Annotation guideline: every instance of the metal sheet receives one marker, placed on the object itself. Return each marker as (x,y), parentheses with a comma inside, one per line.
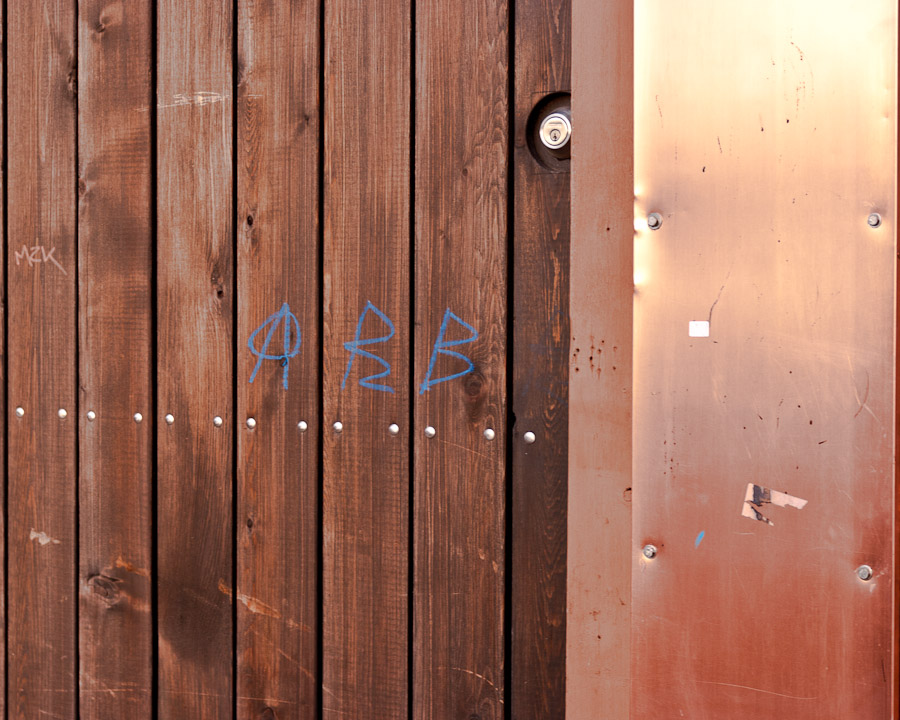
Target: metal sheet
(765,135)
(598,595)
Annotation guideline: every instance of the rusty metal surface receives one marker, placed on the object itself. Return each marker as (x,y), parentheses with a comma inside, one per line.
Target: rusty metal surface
(599,492)
(764,137)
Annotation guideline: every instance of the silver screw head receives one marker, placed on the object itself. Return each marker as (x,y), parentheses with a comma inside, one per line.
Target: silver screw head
(430,432)
(338,427)
(529,437)
(556,129)
(394,429)
(138,417)
(20,412)
(62,413)
(251,423)
(489,434)
(649,551)
(864,572)
(302,426)
(217,421)
(170,418)
(874,220)
(654,221)
(91,415)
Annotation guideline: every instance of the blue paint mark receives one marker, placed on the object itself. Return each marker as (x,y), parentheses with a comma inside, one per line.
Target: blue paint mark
(285,316)
(440,347)
(353,348)
(699,538)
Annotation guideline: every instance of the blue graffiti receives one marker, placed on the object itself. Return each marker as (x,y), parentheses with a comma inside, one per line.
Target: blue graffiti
(289,321)
(354,346)
(440,348)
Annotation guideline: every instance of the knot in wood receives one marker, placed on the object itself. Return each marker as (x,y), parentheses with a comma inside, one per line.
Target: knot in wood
(106,587)
(267,713)
(473,384)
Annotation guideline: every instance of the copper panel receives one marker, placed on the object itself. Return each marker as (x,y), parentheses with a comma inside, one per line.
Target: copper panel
(765,135)
(599,491)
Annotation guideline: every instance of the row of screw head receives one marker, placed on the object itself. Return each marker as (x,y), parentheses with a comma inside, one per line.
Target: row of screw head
(655,220)
(338,427)
(863,572)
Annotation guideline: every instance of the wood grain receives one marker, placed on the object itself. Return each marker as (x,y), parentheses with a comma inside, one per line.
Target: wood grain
(540,374)
(277,502)
(3,378)
(366,265)
(195,319)
(42,344)
(460,247)
(115,263)
(599,549)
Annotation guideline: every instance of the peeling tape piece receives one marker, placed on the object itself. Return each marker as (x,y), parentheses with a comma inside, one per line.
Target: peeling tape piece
(757,496)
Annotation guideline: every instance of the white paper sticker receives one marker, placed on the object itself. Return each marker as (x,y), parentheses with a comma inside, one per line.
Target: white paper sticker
(698,328)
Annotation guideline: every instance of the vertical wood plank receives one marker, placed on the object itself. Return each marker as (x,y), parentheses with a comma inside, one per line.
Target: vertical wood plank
(366,271)
(195,284)
(598,631)
(3,373)
(277,181)
(42,367)
(461,232)
(540,374)
(115,264)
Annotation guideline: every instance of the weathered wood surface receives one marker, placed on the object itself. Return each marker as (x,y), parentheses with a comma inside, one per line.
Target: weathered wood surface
(277,462)
(367,292)
(41,257)
(598,631)
(537,582)
(115,265)
(195,357)
(220,171)
(461,161)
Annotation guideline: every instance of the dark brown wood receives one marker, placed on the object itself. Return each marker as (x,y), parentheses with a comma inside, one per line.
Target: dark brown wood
(540,373)
(277,503)
(366,266)
(115,263)
(195,318)
(3,390)
(461,161)
(42,325)
(3,379)
(599,547)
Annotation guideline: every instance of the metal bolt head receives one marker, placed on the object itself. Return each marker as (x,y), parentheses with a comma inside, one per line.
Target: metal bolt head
(251,423)
(62,413)
(529,437)
(864,572)
(874,220)
(556,129)
(654,221)
(170,418)
(138,417)
(20,412)
(338,427)
(91,416)
(489,434)
(394,429)
(649,551)
(302,426)
(430,432)
(217,421)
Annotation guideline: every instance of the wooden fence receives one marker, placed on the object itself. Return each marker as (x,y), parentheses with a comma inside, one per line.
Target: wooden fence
(285,288)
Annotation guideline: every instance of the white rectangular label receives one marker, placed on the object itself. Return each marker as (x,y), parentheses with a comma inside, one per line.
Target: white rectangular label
(698,328)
